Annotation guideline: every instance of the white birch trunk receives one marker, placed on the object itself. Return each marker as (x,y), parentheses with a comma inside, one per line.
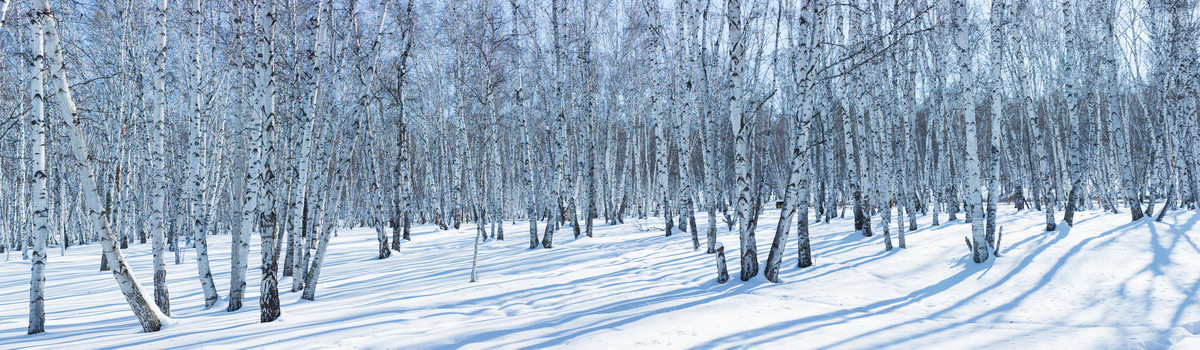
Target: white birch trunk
(741,131)
(685,19)
(974,196)
(252,131)
(993,186)
(148,314)
(198,167)
(526,129)
(1073,142)
(158,194)
(268,300)
(4,11)
(334,187)
(558,14)
(710,143)
(850,93)
(316,178)
(310,76)
(402,143)
(40,201)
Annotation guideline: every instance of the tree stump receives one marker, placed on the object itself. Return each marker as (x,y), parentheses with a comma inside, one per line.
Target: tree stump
(722,271)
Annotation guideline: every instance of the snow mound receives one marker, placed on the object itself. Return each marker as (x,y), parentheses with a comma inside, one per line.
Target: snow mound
(1186,336)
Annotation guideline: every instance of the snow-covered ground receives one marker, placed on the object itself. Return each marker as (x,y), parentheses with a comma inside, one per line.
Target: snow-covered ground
(1105,283)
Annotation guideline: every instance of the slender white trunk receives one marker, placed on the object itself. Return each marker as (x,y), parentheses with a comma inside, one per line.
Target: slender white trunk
(683,129)
(403,154)
(334,188)
(993,186)
(158,194)
(974,196)
(297,222)
(1074,141)
(558,14)
(252,131)
(849,94)
(40,201)
(526,129)
(148,314)
(741,131)
(316,178)
(198,167)
(710,143)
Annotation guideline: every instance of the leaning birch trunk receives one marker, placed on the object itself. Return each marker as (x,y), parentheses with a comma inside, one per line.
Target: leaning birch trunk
(375,192)
(334,192)
(40,203)
(741,132)
(366,78)
(974,196)
(784,225)
(158,194)
(148,315)
(318,204)
(316,178)
(298,227)
(198,167)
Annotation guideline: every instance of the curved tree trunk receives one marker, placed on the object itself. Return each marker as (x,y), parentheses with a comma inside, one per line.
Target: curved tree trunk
(96,216)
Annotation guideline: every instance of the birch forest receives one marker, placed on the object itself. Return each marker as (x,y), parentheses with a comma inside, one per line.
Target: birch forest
(141,135)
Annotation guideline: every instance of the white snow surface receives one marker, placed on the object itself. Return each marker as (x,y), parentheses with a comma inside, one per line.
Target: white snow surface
(1105,283)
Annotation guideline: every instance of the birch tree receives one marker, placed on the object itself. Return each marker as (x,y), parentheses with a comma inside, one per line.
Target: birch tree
(741,131)
(198,164)
(240,251)
(809,23)
(1075,167)
(40,201)
(157,150)
(148,315)
(974,197)
(268,300)
(526,129)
